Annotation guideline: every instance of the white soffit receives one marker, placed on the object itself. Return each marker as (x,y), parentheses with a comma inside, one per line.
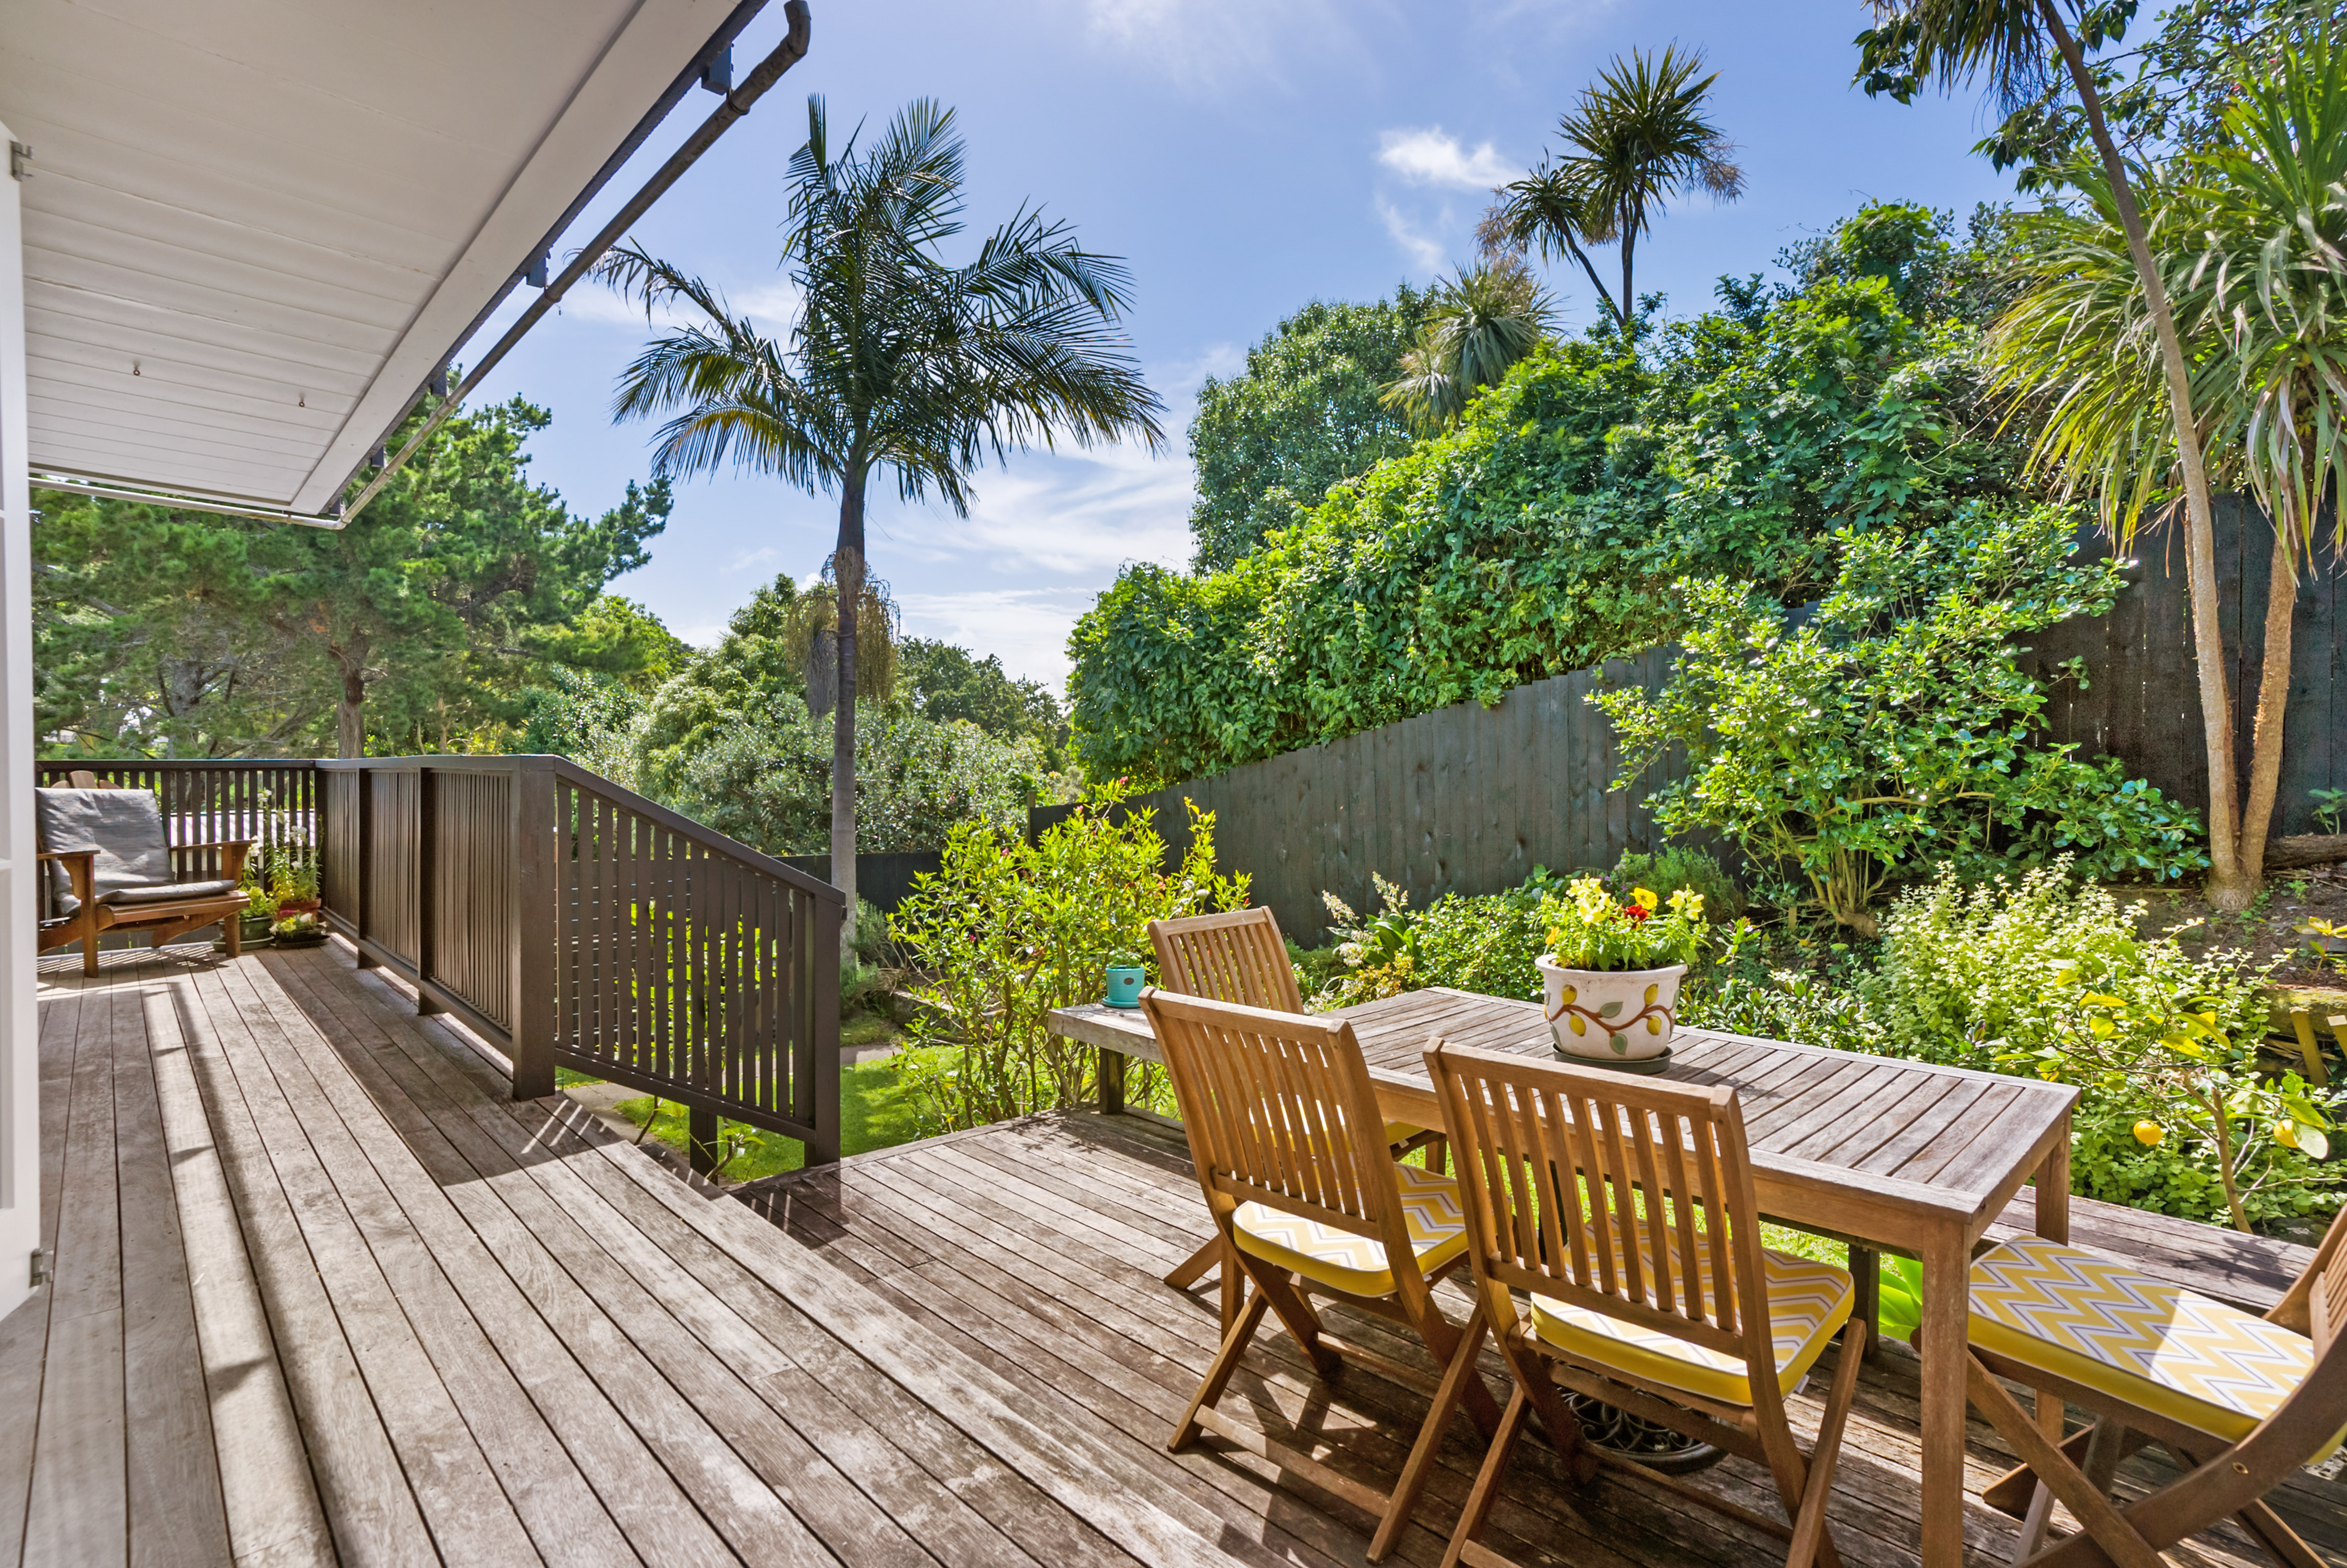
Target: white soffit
(255,229)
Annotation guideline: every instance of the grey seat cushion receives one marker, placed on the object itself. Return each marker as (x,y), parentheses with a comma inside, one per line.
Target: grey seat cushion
(122,896)
(125,827)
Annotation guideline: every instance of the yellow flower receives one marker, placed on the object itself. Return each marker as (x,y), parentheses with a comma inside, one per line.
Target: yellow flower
(1645,900)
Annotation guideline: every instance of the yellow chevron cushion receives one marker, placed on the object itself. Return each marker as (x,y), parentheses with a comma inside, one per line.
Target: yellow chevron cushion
(1355,1264)
(1401,1132)
(2095,1321)
(1807,1304)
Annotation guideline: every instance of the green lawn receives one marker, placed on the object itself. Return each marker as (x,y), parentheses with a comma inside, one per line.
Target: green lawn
(874,1113)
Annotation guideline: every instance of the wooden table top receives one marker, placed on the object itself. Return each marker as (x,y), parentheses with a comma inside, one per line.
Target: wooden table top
(1839,1141)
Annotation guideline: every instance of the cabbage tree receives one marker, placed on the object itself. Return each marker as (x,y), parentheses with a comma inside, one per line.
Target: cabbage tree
(2250,235)
(2024,47)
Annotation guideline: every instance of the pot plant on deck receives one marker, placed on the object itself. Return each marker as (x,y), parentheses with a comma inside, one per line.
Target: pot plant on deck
(1613,971)
(294,887)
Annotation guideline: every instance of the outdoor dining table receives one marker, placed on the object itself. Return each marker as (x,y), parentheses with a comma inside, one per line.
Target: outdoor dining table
(1885,1155)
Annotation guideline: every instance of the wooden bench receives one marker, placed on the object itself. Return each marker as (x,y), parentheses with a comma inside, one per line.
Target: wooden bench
(2250,1272)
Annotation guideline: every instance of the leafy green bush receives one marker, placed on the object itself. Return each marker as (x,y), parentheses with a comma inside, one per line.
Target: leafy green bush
(1545,532)
(1892,728)
(2046,977)
(1006,931)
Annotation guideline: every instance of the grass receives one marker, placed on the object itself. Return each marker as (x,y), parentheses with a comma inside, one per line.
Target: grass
(875,1113)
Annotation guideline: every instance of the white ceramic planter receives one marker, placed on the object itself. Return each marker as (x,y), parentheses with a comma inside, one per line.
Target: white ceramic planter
(1611,1015)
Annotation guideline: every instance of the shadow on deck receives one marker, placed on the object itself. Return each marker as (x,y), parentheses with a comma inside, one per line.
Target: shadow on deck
(322,1293)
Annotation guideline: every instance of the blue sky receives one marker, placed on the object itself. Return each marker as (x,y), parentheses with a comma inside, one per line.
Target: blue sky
(1245,156)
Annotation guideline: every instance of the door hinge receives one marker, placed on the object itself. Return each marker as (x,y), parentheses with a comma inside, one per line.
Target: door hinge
(20,159)
(41,1270)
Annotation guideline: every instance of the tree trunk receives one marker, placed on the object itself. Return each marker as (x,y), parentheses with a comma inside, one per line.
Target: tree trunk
(1604,295)
(2230,886)
(2273,696)
(1629,300)
(848,580)
(349,713)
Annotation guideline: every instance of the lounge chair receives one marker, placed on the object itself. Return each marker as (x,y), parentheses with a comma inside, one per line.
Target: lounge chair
(110,868)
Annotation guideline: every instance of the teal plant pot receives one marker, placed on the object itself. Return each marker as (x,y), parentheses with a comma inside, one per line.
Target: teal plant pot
(1124,983)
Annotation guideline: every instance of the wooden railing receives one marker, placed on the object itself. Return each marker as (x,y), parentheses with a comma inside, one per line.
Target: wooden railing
(566,920)
(581,926)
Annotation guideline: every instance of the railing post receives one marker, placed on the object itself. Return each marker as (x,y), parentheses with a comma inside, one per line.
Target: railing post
(359,794)
(824,1148)
(535,926)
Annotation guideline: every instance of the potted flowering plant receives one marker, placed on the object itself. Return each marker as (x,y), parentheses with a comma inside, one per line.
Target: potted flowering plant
(1612,972)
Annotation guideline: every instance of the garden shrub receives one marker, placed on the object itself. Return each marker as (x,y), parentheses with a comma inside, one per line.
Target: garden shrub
(1890,728)
(1486,943)
(2041,976)
(1546,530)
(1006,931)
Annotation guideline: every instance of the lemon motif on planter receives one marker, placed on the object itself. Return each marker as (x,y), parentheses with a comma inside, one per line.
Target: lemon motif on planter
(1653,1021)
(1578,1026)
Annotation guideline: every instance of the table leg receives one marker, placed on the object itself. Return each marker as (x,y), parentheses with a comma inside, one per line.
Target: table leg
(1110,1072)
(1946,1270)
(1866,1296)
(2053,1224)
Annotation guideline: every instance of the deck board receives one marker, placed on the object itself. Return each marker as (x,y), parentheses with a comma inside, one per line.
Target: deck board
(324,1293)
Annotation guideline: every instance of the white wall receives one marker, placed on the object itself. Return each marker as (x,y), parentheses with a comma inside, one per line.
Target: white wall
(20,1112)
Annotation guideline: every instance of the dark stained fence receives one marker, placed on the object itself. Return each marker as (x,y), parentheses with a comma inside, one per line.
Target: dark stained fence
(1467,799)
(581,926)
(2142,702)
(883,879)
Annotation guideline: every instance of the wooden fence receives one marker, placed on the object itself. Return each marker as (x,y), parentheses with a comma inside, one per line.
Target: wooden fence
(581,926)
(2142,702)
(1463,800)
(884,878)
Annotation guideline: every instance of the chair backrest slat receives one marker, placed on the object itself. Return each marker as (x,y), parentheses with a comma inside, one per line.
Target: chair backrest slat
(1237,956)
(1561,1167)
(1279,1105)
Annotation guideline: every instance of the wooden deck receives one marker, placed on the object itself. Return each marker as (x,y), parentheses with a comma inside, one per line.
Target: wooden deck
(323,1294)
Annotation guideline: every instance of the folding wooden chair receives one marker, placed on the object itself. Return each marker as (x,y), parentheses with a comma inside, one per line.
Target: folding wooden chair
(2241,1402)
(1291,1154)
(1624,1207)
(1239,957)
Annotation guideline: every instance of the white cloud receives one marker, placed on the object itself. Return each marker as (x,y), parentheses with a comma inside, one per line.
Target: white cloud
(1026,628)
(1425,252)
(771,303)
(1434,157)
(1212,45)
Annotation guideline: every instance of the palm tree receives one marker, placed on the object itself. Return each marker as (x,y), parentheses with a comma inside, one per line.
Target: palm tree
(2251,236)
(1479,323)
(897,359)
(1637,135)
(2017,43)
